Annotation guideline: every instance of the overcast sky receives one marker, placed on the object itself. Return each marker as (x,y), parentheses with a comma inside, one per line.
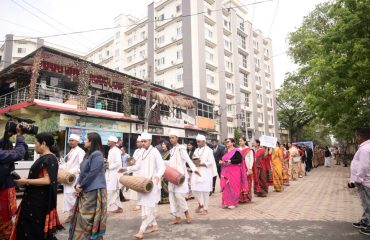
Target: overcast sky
(76,15)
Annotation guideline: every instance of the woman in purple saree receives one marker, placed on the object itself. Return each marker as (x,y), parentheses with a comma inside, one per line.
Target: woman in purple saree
(233,181)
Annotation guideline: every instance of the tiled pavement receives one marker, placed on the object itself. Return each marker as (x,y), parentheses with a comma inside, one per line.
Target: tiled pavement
(309,207)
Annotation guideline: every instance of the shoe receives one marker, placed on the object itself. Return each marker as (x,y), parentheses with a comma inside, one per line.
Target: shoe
(231,207)
(365,231)
(119,210)
(359,225)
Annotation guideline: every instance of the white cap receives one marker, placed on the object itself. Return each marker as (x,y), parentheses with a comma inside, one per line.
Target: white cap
(173,132)
(138,139)
(113,139)
(75,137)
(200,137)
(146,136)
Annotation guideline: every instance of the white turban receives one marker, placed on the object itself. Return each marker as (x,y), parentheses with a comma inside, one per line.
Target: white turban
(200,137)
(146,136)
(113,139)
(173,132)
(138,139)
(75,137)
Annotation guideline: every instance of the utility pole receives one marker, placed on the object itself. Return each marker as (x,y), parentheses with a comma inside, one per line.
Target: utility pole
(147,101)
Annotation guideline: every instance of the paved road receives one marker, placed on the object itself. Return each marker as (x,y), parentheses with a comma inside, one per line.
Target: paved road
(318,206)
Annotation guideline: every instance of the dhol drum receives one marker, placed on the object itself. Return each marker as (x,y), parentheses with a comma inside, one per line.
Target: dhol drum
(65,177)
(173,176)
(137,183)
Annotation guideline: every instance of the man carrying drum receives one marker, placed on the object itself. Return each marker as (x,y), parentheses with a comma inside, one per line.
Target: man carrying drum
(74,158)
(178,159)
(137,156)
(150,166)
(202,185)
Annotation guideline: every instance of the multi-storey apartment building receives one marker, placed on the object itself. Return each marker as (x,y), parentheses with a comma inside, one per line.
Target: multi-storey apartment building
(16,47)
(205,48)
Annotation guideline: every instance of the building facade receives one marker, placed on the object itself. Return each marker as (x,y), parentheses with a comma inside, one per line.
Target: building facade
(204,48)
(15,48)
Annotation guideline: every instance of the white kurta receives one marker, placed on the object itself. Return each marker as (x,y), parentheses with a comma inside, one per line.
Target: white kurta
(137,156)
(111,174)
(179,158)
(74,159)
(204,182)
(149,166)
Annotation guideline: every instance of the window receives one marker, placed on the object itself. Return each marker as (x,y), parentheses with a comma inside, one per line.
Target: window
(179,31)
(179,54)
(129,59)
(242,41)
(268,85)
(142,54)
(209,56)
(117,34)
(230,130)
(178,8)
(160,61)
(242,60)
(210,79)
(260,116)
(160,40)
(209,12)
(161,17)
(227,45)
(142,34)
(21,50)
(142,73)
(161,83)
(267,53)
(211,101)
(248,119)
(179,78)
(257,62)
(205,110)
(244,79)
(255,44)
(259,98)
(129,41)
(241,26)
(245,99)
(209,33)
(230,87)
(228,65)
(258,80)
(107,53)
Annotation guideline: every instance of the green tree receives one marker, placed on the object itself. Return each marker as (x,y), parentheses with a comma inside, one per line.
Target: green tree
(292,111)
(237,135)
(332,48)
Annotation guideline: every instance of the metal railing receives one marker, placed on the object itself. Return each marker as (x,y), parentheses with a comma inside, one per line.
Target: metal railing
(17,96)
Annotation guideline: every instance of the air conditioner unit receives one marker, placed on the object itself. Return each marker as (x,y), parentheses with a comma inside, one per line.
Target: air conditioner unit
(173,62)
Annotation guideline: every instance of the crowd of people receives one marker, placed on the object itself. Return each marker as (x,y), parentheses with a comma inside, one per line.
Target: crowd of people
(243,172)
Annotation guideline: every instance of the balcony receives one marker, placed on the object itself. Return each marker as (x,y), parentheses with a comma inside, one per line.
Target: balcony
(258,68)
(227,51)
(259,103)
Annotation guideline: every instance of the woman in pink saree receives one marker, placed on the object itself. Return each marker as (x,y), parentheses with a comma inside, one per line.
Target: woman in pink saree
(233,177)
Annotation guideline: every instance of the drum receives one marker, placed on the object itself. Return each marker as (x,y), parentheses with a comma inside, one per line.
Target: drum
(173,176)
(137,183)
(64,177)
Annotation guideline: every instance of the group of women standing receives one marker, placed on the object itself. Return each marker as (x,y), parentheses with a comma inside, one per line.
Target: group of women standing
(37,216)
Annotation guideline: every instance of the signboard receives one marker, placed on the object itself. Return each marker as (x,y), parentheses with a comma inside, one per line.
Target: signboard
(137,128)
(206,123)
(93,123)
(188,119)
(103,134)
(167,130)
(173,122)
(268,141)
(155,130)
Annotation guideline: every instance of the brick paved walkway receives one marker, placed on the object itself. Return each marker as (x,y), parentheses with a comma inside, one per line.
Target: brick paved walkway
(320,197)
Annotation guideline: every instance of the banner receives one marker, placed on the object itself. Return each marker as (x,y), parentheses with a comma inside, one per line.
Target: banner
(103,134)
(307,143)
(268,141)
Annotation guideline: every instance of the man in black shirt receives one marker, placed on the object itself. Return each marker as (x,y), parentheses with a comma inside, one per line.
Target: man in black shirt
(218,152)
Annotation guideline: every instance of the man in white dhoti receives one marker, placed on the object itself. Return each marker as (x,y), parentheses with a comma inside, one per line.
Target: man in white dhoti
(178,159)
(202,185)
(150,166)
(74,159)
(137,156)
(112,176)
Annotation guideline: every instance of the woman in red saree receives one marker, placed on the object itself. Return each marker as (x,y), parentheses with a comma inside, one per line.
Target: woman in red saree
(233,181)
(260,180)
(286,174)
(248,156)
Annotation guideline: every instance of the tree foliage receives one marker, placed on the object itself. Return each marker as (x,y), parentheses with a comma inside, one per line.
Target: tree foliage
(332,48)
(293,113)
